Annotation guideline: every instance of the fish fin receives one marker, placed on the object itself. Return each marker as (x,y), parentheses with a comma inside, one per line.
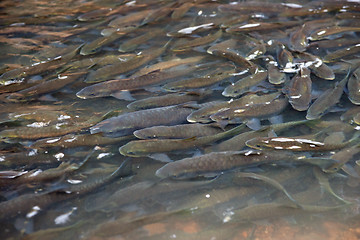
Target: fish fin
(254,124)
(162,157)
(272,133)
(48,98)
(335,138)
(350,170)
(123,95)
(197,153)
(276,119)
(191,104)
(222,124)
(25,225)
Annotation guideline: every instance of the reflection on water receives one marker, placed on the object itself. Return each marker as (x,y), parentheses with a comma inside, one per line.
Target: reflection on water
(188,119)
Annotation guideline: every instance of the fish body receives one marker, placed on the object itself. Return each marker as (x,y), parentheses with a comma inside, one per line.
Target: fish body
(182,131)
(326,100)
(204,81)
(127,123)
(353,86)
(217,162)
(317,66)
(328,31)
(197,42)
(106,72)
(168,64)
(261,111)
(140,148)
(45,87)
(168,99)
(47,131)
(298,90)
(132,44)
(340,53)
(243,85)
(71,140)
(110,87)
(94,46)
(203,115)
(293,144)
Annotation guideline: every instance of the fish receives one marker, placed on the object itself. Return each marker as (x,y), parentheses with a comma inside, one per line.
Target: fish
(343,156)
(169,99)
(275,76)
(341,53)
(317,66)
(188,45)
(94,46)
(139,148)
(261,111)
(45,87)
(38,176)
(159,13)
(324,183)
(238,142)
(199,82)
(133,43)
(111,87)
(48,131)
(298,90)
(191,30)
(174,62)
(299,41)
(236,58)
(328,31)
(127,123)
(283,56)
(180,11)
(39,67)
(182,131)
(94,15)
(353,86)
(270,181)
(295,144)
(244,84)
(104,73)
(203,114)
(218,162)
(38,201)
(259,26)
(72,140)
(130,19)
(274,210)
(326,100)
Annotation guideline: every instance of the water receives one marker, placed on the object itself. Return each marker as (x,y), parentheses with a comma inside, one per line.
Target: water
(74,189)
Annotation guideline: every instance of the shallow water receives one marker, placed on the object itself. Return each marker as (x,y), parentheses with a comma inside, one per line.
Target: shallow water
(56,187)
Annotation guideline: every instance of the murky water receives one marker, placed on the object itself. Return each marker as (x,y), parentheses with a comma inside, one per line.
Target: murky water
(257,103)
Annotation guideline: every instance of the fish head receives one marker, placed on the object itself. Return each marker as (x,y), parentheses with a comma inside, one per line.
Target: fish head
(130,149)
(257,143)
(174,171)
(93,91)
(231,91)
(198,118)
(221,115)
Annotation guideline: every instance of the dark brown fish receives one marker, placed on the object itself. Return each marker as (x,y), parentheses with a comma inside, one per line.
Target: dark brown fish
(127,123)
(298,90)
(219,161)
(261,111)
(111,87)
